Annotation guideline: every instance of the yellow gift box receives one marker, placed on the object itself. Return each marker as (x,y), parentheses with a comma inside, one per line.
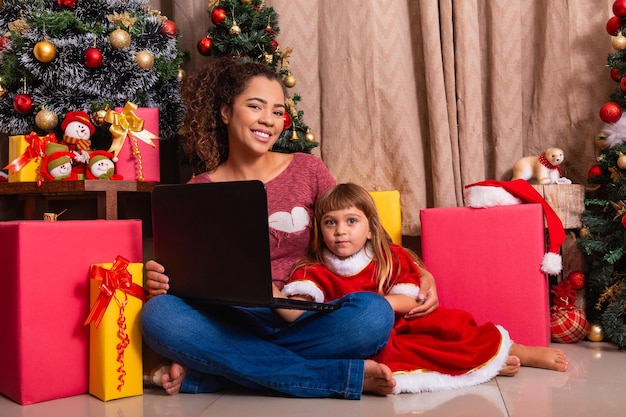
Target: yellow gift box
(115,360)
(19,151)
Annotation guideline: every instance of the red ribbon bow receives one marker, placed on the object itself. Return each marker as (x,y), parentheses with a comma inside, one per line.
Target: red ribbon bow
(36,149)
(116,278)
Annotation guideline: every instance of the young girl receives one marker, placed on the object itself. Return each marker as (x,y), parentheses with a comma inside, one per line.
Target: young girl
(445,349)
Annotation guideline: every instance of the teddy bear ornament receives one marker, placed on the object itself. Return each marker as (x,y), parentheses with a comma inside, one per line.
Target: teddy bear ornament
(542,169)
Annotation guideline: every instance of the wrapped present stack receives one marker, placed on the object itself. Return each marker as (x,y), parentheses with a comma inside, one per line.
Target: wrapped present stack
(45,303)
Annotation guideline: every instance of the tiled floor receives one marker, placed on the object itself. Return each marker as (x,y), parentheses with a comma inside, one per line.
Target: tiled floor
(594,385)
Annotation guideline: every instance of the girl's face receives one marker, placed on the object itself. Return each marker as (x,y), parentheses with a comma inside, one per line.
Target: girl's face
(256,118)
(345,231)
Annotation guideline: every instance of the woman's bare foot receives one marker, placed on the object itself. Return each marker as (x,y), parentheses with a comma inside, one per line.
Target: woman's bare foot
(511,367)
(541,357)
(377,378)
(173,380)
(169,377)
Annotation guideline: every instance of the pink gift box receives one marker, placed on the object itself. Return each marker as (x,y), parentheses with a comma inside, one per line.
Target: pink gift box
(487,261)
(45,300)
(128,165)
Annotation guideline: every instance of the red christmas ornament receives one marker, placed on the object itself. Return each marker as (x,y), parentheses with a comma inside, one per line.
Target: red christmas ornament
(169,29)
(624,222)
(204,46)
(619,8)
(274,45)
(616,74)
(23,104)
(576,280)
(610,112)
(568,323)
(613,25)
(93,58)
(67,4)
(287,120)
(622,84)
(594,171)
(218,15)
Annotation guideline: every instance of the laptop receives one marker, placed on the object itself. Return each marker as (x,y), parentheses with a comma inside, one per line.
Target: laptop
(213,240)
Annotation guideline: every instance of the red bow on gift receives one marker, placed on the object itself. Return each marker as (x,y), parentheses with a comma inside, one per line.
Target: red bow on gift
(36,149)
(116,278)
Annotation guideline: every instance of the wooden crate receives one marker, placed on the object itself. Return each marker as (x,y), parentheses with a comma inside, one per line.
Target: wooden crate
(567,200)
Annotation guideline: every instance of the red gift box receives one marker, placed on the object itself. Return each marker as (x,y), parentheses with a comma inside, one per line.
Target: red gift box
(487,261)
(45,299)
(144,165)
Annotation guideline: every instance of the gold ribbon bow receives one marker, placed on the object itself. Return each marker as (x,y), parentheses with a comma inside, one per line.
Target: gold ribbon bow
(127,123)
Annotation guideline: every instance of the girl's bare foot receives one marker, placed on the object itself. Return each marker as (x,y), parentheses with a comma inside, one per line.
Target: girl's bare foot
(511,367)
(377,378)
(541,357)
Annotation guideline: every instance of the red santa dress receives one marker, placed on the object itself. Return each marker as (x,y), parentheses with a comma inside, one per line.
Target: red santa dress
(445,350)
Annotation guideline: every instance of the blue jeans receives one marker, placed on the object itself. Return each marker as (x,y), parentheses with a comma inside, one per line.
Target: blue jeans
(319,355)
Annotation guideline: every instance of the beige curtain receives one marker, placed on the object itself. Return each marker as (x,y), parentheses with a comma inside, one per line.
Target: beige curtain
(427,96)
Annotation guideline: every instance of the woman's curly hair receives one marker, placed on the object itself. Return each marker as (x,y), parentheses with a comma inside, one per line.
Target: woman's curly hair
(204,92)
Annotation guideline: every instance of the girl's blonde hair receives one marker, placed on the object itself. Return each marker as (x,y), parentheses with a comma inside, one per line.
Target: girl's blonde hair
(343,196)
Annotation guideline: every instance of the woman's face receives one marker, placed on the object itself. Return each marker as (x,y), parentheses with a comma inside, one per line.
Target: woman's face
(256,118)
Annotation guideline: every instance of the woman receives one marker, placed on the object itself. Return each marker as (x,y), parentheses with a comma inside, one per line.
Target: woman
(235,115)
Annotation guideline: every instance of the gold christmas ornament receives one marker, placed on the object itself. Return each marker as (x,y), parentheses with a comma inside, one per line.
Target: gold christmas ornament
(99,117)
(584,232)
(619,42)
(44,51)
(621,161)
(268,58)
(3,91)
(46,120)
(144,59)
(600,141)
(595,333)
(246,1)
(119,39)
(235,29)
(294,135)
(181,75)
(309,136)
(289,81)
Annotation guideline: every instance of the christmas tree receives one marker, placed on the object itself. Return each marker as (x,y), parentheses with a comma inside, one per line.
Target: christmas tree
(603,236)
(247,30)
(59,56)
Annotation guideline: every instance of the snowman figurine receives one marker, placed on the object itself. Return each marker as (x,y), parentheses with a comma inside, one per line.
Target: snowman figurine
(102,167)
(77,133)
(57,163)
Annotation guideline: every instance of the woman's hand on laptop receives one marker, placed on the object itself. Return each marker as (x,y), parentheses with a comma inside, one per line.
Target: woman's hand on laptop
(156,281)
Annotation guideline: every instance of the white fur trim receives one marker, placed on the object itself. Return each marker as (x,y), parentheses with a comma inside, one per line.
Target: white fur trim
(615,132)
(352,265)
(304,288)
(435,381)
(410,290)
(481,196)
(552,263)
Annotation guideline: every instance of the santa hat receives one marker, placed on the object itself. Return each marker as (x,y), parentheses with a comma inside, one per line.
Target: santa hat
(78,116)
(57,154)
(501,193)
(96,156)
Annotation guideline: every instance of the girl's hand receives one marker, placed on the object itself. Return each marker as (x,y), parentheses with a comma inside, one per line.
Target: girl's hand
(156,281)
(427,296)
